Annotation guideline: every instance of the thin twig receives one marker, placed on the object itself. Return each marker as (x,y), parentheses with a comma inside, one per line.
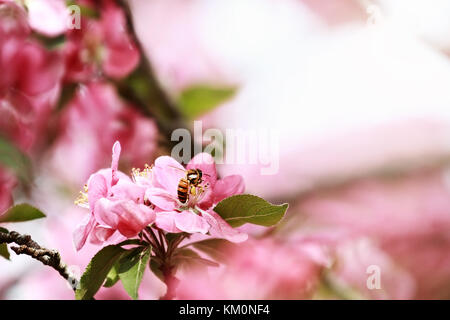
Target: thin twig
(31,248)
(158,105)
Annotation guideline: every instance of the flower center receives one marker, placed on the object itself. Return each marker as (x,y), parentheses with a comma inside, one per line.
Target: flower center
(82,199)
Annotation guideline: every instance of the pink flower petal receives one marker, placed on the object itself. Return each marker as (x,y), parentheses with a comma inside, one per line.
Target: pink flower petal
(166,221)
(13,19)
(220,229)
(161,198)
(205,162)
(227,187)
(122,55)
(82,232)
(40,70)
(127,190)
(103,212)
(115,161)
(97,189)
(190,222)
(120,59)
(101,234)
(48,17)
(132,217)
(186,221)
(168,173)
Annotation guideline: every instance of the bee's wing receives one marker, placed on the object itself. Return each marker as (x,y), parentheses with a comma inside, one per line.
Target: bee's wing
(177,168)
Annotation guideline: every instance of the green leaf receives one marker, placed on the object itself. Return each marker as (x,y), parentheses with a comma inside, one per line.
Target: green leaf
(112,277)
(3,247)
(20,213)
(4,251)
(14,159)
(97,271)
(190,256)
(214,248)
(199,99)
(240,209)
(85,11)
(50,43)
(131,270)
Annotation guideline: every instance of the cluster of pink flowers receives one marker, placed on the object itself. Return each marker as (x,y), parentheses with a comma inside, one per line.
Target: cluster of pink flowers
(264,268)
(92,121)
(103,47)
(120,206)
(33,75)
(30,80)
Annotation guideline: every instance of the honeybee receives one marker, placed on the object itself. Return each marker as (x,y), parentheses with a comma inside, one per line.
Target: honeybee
(188,185)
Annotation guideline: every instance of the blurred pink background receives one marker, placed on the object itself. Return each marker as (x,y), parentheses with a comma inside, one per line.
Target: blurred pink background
(356,92)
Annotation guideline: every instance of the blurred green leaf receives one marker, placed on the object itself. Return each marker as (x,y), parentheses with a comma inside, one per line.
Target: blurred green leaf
(97,270)
(240,209)
(86,11)
(214,248)
(20,213)
(132,268)
(190,256)
(198,100)
(50,43)
(3,230)
(14,159)
(4,251)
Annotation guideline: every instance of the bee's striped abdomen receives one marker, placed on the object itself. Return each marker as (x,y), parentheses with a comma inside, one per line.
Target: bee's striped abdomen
(182,191)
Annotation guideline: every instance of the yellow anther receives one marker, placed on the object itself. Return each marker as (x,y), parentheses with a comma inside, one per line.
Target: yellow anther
(82,199)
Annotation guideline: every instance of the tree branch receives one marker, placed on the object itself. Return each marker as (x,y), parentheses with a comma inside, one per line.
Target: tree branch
(31,248)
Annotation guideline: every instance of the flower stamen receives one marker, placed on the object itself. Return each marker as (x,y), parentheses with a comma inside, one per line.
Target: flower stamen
(82,199)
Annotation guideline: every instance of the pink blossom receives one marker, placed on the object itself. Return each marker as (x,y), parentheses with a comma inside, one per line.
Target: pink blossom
(92,121)
(195,216)
(30,81)
(403,224)
(116,206)
(27,67)
(56,229)
(257,269)
(48,17)
(101,46)
(13,19)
